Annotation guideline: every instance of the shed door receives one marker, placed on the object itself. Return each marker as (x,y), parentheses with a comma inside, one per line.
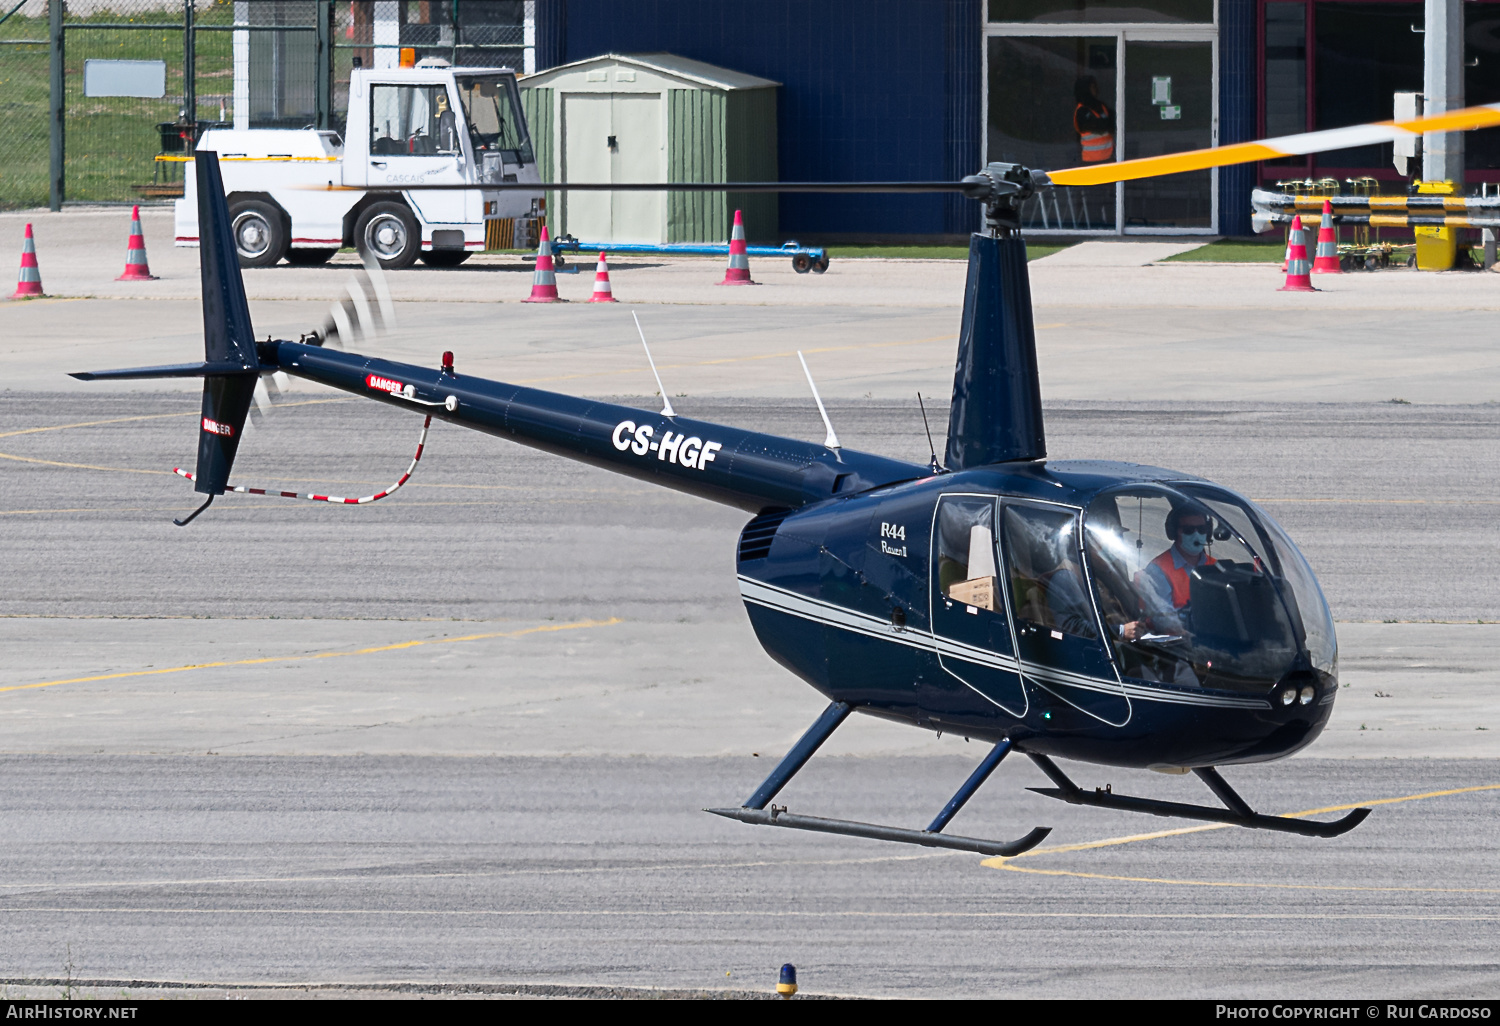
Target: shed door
(638,157)
(586,130)
(614,138)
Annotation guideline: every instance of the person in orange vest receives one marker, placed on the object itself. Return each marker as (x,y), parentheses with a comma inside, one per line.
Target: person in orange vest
(1093,121)
(1163,586)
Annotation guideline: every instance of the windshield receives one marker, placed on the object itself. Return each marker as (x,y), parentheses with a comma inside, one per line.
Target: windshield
(492,110)
(1197,587)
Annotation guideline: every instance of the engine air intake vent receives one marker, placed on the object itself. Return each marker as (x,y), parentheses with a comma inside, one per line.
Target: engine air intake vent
(755,540)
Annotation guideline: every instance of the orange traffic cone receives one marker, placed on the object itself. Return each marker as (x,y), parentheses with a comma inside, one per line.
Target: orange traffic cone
(1326,261)
(738,271)
(603,293)
(544,279)
(1297,268)
(136,268)
(30,281)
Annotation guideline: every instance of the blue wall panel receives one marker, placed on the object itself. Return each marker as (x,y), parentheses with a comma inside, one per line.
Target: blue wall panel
(877,89)
(1237,92)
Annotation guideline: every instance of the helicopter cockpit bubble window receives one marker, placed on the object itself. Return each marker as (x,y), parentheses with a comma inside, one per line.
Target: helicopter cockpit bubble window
(966,552)
(1046,582)
(1194,591)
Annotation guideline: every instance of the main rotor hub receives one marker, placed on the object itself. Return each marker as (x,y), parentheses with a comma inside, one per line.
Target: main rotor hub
(1002,188)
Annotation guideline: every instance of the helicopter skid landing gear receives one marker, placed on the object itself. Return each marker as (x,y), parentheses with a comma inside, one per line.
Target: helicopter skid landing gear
(1238,812)
(754,810)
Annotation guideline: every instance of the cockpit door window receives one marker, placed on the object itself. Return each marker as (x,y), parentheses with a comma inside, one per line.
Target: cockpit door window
(970,627)
(1057,631)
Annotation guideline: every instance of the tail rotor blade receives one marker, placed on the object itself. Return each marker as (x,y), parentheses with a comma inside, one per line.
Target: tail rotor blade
(267,396)
(341,329)
(376,277)
(362,311)
(261,408)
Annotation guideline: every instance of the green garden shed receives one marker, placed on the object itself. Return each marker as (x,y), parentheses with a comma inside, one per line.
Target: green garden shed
(653,117)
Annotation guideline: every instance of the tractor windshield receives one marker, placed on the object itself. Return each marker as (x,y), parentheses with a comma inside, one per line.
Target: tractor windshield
(1198,587)
(492,110)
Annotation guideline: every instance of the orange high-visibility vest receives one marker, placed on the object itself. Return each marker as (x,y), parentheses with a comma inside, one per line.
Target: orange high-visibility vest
(1097,146)
(1177,576)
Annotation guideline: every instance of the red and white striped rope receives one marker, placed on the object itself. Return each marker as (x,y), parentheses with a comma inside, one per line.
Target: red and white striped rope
(421,442)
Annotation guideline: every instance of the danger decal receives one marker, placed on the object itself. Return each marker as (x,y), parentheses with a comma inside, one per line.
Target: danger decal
(213,427)
(685,451)
(380,384)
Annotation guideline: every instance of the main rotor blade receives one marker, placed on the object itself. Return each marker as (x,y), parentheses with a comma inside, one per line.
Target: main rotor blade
(887,187)
(1464,120)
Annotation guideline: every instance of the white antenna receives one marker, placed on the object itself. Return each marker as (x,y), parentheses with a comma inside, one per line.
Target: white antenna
(832,441)
(666,404)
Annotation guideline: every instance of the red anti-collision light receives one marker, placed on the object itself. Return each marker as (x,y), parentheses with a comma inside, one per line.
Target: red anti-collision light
(447,363)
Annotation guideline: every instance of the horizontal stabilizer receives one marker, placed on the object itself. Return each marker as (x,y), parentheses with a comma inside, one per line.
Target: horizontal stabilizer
(170,370)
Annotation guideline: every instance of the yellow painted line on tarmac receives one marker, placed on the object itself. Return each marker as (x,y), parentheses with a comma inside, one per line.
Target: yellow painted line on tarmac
(79,466)
(546,629)
(1002,862)
(739,359)
(150,416)
(97,423)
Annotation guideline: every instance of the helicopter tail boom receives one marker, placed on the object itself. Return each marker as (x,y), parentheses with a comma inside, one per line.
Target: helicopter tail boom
(746,469)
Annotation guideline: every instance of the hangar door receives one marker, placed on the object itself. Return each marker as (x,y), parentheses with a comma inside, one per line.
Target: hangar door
(614,138)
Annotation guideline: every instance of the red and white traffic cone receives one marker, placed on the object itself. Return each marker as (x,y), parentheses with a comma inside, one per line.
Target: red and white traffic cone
(603,293)
(1297,267)
(738,271)
(544,280)
(30,282)
(1326,260)
(136,268)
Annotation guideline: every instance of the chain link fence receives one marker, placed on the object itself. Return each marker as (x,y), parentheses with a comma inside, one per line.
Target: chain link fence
(24,104)
(101,99)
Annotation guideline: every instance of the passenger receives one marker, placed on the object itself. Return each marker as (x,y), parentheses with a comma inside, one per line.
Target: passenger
(1068,604)
(1163,586)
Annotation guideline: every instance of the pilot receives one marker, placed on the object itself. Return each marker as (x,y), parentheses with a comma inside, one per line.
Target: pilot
(1163,586)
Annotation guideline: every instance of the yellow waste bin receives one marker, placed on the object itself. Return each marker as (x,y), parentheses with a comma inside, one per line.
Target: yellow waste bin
(1437,248)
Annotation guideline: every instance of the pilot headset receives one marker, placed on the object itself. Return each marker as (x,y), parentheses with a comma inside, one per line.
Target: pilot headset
(1174,519)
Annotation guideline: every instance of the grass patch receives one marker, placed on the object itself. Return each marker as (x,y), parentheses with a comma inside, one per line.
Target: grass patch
(1237,251)
(110,142)
(1033,252)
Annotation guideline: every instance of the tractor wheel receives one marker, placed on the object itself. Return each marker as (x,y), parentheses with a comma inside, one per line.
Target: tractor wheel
(260,233)
(390,231)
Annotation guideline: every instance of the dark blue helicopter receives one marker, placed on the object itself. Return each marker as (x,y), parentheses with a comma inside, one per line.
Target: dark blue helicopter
(1111,613)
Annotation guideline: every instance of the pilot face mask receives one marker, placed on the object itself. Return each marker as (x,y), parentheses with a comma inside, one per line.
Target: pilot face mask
(1194,540)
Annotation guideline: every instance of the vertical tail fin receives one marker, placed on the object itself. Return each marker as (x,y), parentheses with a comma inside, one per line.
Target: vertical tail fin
(227,334)
(997,397)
